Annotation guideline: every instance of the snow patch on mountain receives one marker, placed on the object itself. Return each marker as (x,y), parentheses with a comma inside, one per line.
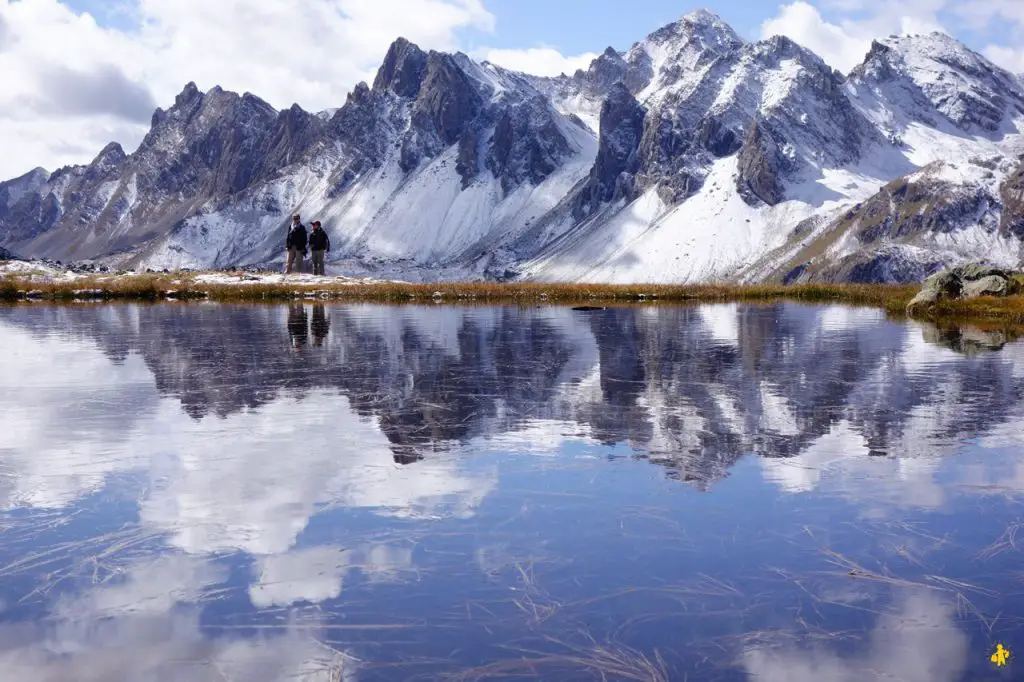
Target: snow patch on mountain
(708,237)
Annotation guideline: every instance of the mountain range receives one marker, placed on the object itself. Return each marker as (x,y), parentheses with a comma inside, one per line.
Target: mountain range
(694,156)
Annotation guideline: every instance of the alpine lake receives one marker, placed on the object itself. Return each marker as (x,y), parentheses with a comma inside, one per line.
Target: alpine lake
(258,493)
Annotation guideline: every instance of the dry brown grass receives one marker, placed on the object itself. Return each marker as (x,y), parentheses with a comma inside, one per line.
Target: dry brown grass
(154,286)
(180,286)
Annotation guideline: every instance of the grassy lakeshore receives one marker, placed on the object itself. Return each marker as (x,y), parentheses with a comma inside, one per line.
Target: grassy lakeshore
(240,287)
(227,287)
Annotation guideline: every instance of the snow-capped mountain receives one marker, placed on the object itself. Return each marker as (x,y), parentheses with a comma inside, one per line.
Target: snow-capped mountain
(692,156)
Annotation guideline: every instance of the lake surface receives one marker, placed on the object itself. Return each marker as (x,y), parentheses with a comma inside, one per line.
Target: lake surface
(262,493)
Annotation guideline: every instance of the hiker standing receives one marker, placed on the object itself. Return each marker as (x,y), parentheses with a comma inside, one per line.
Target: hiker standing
(295,245)
(319,245)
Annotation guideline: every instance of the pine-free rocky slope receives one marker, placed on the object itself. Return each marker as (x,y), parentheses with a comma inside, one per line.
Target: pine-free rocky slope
(694,156)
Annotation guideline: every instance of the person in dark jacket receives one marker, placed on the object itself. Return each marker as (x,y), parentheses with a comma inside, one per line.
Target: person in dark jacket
(295,245)
(319,245)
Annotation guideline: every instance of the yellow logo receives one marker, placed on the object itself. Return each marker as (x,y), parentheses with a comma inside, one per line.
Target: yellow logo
(1000,656)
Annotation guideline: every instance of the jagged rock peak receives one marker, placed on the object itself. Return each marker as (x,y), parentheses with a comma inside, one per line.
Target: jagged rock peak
(877,64)
(778,47)
(359,94)
(111,154)
(702,16)
(188,94)
(702,25)
(403,69)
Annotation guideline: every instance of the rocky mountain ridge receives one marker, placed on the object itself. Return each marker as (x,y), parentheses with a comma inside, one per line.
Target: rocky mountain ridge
(692,156)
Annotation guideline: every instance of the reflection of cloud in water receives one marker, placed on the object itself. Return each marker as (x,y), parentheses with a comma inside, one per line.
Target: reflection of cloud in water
(152,587)
(840,461)
(141,627)
(68,412)
(539,437)
(316,574)
(917,642)
(252,481)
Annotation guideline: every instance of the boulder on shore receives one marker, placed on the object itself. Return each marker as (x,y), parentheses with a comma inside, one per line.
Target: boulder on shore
(962,282)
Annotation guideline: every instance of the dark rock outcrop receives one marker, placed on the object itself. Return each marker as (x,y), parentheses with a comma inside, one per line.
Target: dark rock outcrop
(447,100)
(526,145)
(1011,194)
(622,126)
(759,166)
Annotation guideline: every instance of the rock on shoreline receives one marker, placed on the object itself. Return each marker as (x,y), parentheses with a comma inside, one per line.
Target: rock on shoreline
(964,282)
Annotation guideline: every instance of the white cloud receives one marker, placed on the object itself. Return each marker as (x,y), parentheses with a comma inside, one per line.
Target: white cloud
(980,14)
(539,61)
(1006,57)
(311,52)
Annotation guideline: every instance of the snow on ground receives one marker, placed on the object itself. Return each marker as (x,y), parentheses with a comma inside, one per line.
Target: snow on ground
(431,215)
(36,270)
(278,278)
(709,237)
(45,272)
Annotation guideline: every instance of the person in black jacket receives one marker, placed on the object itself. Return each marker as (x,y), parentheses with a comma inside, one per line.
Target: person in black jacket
(295,245)
(319,244)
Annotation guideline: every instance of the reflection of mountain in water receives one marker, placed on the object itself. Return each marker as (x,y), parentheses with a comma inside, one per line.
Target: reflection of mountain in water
(693,388)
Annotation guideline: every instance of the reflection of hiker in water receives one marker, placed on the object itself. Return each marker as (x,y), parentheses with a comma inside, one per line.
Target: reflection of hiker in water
(321,324)
(298,325)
